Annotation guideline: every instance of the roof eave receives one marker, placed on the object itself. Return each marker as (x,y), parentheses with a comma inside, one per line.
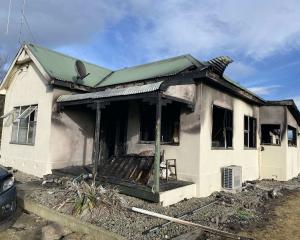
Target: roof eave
(8,73)
(220,81)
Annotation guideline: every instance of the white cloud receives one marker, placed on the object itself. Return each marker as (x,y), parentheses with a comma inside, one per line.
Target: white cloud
(57,23)
(253,29)
(264,90)
(240,70)
(256,29)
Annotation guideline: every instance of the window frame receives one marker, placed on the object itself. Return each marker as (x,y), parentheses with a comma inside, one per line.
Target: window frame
(163,109)
(226,129)
(289,127)
(248,131)
(17,120)
(271,144)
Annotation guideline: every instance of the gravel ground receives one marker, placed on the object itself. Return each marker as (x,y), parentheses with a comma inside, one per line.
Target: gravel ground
(231,212)
(29,226)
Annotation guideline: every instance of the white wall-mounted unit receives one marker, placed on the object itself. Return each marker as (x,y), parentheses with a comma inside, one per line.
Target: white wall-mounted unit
(232,178)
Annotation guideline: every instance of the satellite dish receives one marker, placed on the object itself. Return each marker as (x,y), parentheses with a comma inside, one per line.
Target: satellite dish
(80,69)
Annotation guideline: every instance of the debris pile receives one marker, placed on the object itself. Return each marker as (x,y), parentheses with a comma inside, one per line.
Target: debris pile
(81,196)
(102,205)
(91,200)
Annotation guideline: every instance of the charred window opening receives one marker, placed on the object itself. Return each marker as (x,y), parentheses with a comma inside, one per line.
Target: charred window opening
(170,121)
(250,132)
(270,134)
(292,136)
(222,130)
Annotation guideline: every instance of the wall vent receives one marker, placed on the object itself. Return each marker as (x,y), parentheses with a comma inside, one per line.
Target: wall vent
(232,177)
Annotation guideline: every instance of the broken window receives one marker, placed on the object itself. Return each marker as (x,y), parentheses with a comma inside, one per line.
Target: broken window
(249,132)
(292,136)
(222,129)
(270,134)
(170,115)
(24,125)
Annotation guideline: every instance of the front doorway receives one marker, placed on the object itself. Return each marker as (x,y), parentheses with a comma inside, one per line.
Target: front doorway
(113,138)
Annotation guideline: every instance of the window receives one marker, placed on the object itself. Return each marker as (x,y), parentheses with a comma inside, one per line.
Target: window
(270,134)
(170,116)
(292,136)
(222,127)
(24,125)
(249,132)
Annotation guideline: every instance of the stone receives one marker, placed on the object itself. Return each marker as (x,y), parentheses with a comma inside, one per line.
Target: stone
(19,226)
(223,219)
(54,231)
(274,193)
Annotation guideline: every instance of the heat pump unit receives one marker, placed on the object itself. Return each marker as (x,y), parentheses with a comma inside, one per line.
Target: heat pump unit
(232,178)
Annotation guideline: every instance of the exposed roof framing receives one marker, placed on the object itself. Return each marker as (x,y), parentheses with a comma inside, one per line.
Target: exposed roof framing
(219,64)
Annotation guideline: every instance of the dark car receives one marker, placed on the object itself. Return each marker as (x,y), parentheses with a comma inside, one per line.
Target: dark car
(8,193)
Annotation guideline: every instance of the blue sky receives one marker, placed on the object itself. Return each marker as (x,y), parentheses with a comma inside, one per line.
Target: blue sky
(263,37)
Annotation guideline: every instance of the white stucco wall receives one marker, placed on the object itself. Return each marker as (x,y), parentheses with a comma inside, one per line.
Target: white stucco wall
(293,158)
(273,158)
(72,132)
(279,162)
(202,165)
(186,153)
(62,139)
(212,160)
(28,87)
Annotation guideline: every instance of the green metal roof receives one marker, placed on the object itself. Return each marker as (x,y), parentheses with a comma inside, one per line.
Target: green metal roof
(62,67)
(162,68)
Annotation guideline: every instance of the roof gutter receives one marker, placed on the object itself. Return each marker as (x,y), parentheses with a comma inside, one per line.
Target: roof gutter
(70,85)
(216,80)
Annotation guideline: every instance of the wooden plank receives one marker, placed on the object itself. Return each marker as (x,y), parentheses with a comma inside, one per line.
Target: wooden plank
(187,223)
(96,149)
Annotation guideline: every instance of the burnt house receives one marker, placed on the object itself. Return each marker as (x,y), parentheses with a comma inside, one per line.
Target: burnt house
(162,131)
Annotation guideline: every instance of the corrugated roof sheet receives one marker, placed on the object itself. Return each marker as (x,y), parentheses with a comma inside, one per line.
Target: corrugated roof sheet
(62,67)
(165,67)
(112,92)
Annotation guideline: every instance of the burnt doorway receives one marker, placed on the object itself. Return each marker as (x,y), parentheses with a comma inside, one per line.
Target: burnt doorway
(114,129)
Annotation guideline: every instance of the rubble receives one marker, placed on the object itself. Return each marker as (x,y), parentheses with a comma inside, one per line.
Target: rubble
(227,211)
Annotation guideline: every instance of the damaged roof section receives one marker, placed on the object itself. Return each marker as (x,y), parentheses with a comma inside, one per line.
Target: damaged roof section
(62,69)
(185,68)
(114,92)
